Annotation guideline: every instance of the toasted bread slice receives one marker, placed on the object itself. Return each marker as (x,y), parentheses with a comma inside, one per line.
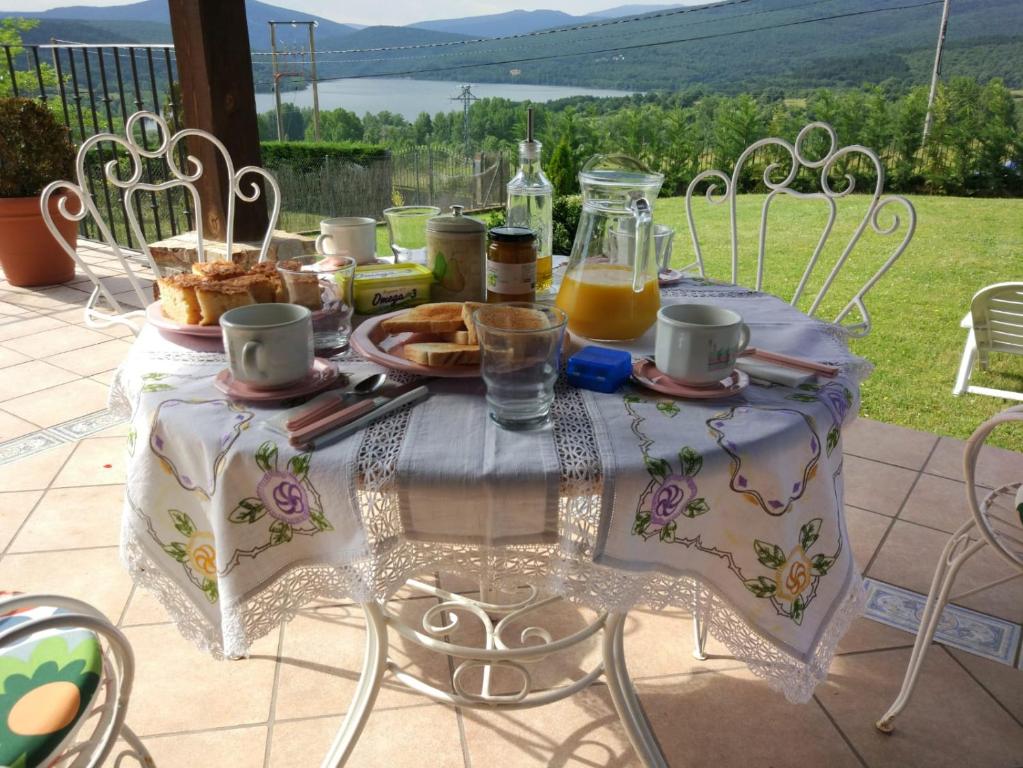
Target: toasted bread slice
(514,318)
(217,270)
(177,298)
(442,354)
(215,299)
(467,309)
(444,317)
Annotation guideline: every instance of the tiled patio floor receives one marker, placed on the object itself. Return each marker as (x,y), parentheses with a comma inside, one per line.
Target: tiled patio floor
(61,470)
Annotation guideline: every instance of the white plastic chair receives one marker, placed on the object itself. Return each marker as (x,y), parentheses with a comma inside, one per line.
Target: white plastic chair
(798,160)
(996,522)
(84,206)
(29,625)
(993,324)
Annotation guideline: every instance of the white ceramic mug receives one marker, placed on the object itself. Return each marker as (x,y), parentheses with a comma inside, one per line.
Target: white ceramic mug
(354,236)
(268,345)
(697,343)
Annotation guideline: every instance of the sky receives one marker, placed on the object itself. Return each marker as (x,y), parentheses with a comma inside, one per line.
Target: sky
(393,12)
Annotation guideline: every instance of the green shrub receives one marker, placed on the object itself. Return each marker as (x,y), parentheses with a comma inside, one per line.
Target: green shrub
(34,148)
(565,214)
(310,156)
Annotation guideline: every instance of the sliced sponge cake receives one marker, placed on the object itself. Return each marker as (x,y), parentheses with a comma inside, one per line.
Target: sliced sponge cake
(178,299)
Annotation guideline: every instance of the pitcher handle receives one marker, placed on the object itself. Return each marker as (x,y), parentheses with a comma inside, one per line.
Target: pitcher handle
(644,226)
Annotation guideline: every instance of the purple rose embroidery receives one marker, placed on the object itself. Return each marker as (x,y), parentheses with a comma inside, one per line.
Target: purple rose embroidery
(284,497)
(835,399)
(671,498)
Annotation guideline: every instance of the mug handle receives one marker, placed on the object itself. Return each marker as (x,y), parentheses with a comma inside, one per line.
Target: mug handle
(744,341)
(249,365)
(319,244)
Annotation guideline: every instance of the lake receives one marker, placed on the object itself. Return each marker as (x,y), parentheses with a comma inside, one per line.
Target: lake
(410,97)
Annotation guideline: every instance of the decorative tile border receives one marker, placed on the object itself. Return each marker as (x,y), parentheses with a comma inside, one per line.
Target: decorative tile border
(68,432)
(977,633)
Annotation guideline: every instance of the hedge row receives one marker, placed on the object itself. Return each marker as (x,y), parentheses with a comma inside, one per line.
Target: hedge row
(310,156)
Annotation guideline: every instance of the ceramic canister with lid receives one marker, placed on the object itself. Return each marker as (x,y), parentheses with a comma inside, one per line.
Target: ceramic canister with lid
(456,253)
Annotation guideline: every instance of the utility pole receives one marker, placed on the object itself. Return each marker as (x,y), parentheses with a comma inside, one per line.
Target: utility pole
(278,74)
(466,97)
(942,31)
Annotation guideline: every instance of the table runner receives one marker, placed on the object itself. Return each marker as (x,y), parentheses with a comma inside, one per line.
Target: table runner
(781,609)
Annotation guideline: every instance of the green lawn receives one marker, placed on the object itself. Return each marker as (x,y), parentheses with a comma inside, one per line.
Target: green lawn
(960,246)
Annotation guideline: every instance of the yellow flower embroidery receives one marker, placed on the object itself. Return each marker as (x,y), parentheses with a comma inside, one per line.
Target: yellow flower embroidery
(792,578)
(202,554)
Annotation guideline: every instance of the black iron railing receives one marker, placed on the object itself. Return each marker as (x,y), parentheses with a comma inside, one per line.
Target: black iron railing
(93,89)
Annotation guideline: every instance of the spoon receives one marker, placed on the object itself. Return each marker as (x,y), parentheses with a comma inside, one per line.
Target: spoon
(329,401)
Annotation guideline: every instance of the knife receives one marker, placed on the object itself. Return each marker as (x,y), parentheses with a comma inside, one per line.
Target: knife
(381,406)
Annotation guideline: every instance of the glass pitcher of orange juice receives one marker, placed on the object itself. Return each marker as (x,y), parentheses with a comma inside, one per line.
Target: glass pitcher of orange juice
(610,290)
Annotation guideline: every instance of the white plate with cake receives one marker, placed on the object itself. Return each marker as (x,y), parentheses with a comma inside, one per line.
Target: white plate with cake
(192,303)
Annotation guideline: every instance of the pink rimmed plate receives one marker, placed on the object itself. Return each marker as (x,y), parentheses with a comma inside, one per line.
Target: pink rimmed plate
(646,374)
(322,375)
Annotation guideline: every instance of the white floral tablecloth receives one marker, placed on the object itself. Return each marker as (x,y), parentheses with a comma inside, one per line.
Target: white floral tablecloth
(733,507)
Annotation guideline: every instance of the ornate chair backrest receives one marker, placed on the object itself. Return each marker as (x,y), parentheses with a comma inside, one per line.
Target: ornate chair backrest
(999,516)
(798,159)
(167,149)
(997,313)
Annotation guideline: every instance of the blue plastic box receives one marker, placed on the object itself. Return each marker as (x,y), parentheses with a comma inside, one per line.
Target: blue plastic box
(599,368)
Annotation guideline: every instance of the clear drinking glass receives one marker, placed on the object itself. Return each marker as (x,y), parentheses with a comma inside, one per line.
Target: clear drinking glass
(406,226)
(324,285)
(521,353)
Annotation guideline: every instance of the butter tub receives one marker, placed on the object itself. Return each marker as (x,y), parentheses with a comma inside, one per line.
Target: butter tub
(381,288)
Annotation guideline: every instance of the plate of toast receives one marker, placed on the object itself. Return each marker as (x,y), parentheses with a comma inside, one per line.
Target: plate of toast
(192,303)
(430,340)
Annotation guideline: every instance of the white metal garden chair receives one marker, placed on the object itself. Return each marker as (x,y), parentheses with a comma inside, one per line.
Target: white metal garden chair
(798,160)
(996,522)
(77,203)
(993,324)
(65,679)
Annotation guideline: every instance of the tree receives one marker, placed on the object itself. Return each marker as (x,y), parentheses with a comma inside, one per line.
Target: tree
(10,35)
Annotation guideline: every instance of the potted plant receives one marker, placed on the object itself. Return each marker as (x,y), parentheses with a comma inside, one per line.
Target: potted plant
(35,149)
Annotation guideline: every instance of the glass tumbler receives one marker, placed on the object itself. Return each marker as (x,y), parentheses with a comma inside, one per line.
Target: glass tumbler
(324,285)
(406,226)
(521,351)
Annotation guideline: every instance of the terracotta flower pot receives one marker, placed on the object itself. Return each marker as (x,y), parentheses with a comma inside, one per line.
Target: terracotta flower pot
(29,254)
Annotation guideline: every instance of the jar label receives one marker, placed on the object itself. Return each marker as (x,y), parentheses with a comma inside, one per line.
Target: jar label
(511,279)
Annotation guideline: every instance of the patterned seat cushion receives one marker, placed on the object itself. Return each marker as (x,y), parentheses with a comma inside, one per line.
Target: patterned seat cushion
(47,684)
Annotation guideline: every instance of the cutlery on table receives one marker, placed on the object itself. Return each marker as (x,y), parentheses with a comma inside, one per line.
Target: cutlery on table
(329,402)
(382,406)
(791,361)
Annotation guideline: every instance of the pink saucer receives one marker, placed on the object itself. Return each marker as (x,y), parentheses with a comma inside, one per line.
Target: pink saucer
(322,376)
(645,373)
(670,277)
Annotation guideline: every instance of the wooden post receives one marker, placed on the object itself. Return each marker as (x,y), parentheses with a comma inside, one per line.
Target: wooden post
(215,69)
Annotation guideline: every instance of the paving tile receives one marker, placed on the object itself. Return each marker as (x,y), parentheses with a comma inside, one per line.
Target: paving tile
(93,575)
(96,461)
(937,502)
(144,608)
(33,376)
(950,721)
(1002,682)
(869,635)
(321,660)
(26,325)
(995,466)
(12,427)
(14,509)
(415,737)
(865,529)
(235,747)
(9,357)
(60,403)
(92,360)
(580,731)
(118,430)
(660,643)
(874,486)
(910,554)
(73,518)
(34,472)
(889,443)
(56,298)
(106,378)
(8,310)
(54,341)
(178,687)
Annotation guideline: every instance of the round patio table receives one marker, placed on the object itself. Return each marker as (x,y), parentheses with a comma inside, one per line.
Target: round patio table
(731,509)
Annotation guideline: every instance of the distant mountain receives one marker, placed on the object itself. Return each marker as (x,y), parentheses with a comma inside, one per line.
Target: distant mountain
(100,31)
(633,10)
(157,11)
(499,24)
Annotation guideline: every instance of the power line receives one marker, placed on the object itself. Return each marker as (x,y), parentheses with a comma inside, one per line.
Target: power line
(615,49)
(537,33)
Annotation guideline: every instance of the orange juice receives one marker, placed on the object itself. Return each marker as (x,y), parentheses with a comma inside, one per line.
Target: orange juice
(601,304)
